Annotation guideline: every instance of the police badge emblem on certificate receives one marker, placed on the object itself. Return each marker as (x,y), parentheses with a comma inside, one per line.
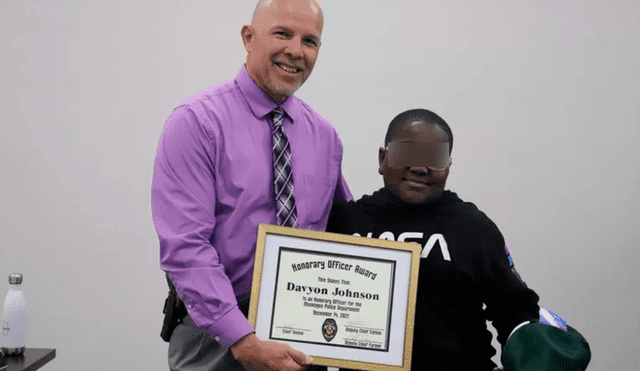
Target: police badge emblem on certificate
(329,329)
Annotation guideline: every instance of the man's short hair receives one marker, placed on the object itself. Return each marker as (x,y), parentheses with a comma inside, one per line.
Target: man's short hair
(413,115)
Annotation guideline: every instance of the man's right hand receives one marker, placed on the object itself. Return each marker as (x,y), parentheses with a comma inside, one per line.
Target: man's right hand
(257,355)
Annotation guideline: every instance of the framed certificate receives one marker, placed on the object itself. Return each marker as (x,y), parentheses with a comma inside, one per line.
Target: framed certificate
(347,301)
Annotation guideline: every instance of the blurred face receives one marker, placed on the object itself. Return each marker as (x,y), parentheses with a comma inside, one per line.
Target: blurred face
(282,45)
(415,184)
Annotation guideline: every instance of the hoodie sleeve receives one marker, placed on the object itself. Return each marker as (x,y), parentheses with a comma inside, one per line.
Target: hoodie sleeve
(336,221)
(509,302)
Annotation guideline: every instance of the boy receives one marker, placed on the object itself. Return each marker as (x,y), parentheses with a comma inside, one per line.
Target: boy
(465,263)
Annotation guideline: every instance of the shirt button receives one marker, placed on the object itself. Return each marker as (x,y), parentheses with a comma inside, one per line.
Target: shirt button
(217,338)
(189,306)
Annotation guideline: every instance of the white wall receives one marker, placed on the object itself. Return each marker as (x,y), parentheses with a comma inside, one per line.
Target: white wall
(542,97)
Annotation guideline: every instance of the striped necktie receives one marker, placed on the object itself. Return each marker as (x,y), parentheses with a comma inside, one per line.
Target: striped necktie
(282,176)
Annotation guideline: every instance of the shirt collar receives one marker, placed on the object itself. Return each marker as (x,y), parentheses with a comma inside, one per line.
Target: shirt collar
(259,102)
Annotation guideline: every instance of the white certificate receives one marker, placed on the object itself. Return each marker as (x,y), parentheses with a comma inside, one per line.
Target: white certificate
(347,301)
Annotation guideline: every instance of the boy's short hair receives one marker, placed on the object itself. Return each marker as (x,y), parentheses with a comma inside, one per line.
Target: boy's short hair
(417,114)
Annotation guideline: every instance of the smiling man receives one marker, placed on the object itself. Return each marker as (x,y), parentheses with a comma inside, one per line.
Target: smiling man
(231,157)
(282,44)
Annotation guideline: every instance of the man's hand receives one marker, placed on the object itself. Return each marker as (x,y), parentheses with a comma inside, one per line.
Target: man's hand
(257,355)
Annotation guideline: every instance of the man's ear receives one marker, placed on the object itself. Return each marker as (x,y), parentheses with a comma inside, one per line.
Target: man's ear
(247,36)
(382,155)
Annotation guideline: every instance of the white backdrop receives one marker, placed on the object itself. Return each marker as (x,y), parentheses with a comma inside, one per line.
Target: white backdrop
(542,97)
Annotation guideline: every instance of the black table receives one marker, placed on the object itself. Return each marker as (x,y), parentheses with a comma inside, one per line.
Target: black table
(31,360)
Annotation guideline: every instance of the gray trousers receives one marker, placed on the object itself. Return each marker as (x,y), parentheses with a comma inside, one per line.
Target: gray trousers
(191,348)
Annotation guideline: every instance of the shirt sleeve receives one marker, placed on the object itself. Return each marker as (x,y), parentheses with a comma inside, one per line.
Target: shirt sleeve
(183,202)
(342,193)
(508,299)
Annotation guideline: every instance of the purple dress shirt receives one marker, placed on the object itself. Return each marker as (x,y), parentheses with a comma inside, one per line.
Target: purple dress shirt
(213,185)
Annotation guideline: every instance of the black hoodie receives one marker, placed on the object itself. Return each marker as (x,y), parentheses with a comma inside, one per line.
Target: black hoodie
(465,264)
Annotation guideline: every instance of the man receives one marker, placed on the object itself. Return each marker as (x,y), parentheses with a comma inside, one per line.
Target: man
(214,181)
(465,263)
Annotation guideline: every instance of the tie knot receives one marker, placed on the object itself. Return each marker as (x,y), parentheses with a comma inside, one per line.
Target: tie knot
(276,115)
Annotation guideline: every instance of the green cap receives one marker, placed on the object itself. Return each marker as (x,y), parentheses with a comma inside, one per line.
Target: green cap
(540,347)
